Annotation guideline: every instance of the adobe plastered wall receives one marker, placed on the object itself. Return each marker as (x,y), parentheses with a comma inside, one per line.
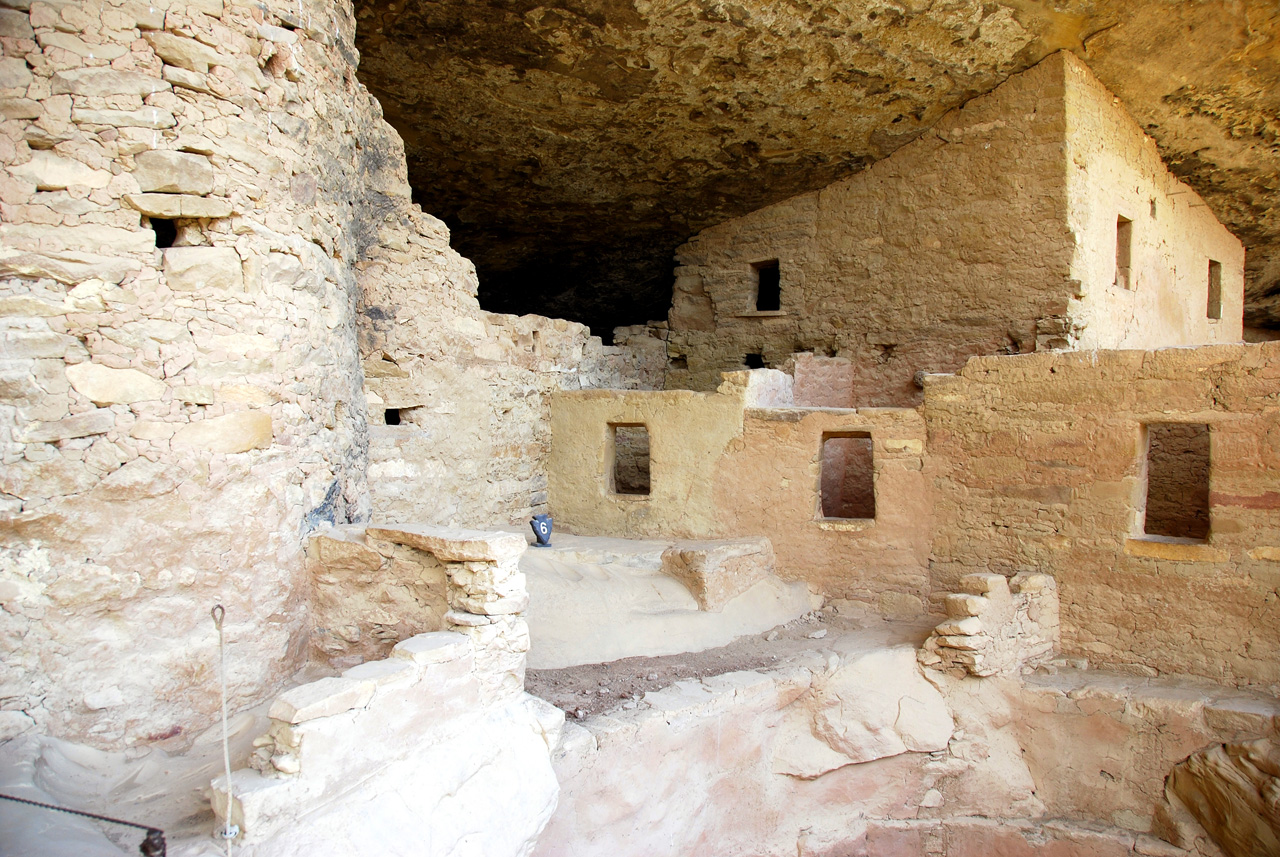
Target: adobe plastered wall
(1039,463)
(742,462)
(1114,170)
(955,245)
(174,422)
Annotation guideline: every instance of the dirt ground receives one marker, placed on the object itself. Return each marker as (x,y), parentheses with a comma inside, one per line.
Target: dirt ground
(590,689)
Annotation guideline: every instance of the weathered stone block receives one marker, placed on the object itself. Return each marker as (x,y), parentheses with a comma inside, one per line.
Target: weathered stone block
(1176,550)
(183,52)
(20,108)
(66,266)
(173,172)
(189,269)
(322,698)
(15,24)
(380,672)
(230,433)
(434,648)
(144,117)
(193,80)
(718,571)
(967,626)
(81,425)
(105,82)
(55,172)
(173,205)
(965,604)
(14,73)
(89,237)
(106,386)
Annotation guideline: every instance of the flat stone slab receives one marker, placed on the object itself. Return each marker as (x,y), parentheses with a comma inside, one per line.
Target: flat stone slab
(449,544)
(436,647)
(322,698)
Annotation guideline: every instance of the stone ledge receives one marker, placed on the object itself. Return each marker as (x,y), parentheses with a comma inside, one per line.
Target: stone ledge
(449,544)
(1176,550)
(847,525)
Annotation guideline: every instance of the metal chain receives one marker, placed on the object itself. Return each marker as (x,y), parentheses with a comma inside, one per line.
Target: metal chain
(152,846)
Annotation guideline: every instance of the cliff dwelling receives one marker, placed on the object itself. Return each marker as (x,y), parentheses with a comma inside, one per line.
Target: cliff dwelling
(639,428)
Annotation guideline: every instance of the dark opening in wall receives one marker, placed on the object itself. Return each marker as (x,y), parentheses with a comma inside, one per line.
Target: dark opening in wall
(768,277)
(1215,289)
(754,361)
(392,416)
(1177,502)
(166,232)
(1124,252)
(630,458)
(848,476)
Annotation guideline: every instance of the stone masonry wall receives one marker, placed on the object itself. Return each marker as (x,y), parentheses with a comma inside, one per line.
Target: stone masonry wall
(175,420)
(941,251)
(471,388)
(994,233)
(1040,463)
(741,463)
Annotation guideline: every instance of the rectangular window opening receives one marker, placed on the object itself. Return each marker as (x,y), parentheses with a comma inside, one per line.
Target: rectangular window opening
(1177,501)
(848,476)
(392,416)
(1215,290)
(1124,252)
(768,281)
(630,458)
(754,361)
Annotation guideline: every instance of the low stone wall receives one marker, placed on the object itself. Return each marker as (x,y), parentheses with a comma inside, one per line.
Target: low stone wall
(402,752)
(743,462)
(443,724)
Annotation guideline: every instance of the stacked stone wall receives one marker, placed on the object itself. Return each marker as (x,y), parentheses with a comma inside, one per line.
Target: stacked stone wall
(1040,465)
(205,231)
(175,419)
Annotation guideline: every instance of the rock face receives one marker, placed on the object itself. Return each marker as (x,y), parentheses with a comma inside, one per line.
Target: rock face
(1232,790)
(572,148)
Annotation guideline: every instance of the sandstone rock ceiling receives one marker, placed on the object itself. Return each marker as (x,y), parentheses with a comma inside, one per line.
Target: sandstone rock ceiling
(572,145)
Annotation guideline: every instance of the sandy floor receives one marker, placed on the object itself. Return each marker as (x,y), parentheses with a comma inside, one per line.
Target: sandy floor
(590,689)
